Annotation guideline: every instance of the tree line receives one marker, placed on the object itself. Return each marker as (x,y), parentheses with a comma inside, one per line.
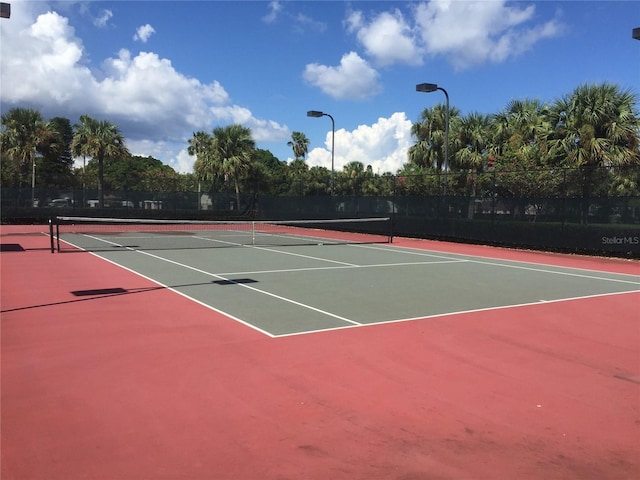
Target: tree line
(529,146)
(524,149)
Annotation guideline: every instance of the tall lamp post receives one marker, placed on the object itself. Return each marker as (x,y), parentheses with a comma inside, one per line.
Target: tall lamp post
(432,87)
(316,114)
(33,179)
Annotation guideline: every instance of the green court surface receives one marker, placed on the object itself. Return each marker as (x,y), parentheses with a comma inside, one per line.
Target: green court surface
(288,290)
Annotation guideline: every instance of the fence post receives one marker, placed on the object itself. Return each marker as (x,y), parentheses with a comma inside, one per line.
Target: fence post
(493,198)
(563,192)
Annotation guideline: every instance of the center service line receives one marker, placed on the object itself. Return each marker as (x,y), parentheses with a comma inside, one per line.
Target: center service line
(244,285)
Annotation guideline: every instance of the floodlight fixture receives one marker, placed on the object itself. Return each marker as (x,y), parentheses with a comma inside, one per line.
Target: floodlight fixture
(426,87)
(635,33)
(5,10)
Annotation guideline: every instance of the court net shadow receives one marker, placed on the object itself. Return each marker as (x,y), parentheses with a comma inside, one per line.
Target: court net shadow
(11,247)
(101,293)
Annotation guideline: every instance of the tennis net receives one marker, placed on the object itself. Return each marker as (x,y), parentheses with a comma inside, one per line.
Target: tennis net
(109,234)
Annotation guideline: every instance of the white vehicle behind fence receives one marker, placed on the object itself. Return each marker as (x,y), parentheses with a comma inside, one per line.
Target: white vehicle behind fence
(60,202)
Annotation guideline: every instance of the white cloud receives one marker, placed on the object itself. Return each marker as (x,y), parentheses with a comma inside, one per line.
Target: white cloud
(148,90)
(303,23)
(388,38)
(179,160)
(102,20)
(182,162)
(466,33)
(144,32)
(158,108)
(383,145)
(268,130)
(353,79)
(261,130)
(299,21)
(42,62)
(274,10)
(473,33)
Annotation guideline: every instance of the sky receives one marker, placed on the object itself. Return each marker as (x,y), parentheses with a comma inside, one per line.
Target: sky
(162,70)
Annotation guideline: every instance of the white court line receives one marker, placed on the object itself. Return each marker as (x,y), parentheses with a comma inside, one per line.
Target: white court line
(461,312)
(343,267)
(410,251)
(306,256)
(273,250)
(210,307)
(569,274)
(322,259)
(220,277)
(447,259)
(512,264)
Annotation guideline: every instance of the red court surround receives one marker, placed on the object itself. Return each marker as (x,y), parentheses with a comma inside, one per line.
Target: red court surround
(149,385)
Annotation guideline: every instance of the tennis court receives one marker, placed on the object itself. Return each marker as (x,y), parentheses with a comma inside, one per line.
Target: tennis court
(287,280)
(137,353)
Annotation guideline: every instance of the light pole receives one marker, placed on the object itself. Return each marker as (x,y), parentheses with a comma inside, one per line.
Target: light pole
(432,87)
(36,156)
(33,180)
(316,114)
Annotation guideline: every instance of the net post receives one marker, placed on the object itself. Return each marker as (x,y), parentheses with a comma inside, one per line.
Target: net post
(51,235)
(253,233)
(58,233)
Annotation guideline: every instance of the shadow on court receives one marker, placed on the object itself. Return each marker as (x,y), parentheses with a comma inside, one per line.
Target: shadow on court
(102,293)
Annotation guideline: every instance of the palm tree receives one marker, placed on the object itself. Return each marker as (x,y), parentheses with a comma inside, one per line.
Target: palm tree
(57,161)
(595,126)
(200,145)
(232,149)
(298,172)
(412,179)
(474,137)
(24,133)
(520,136)
(317,181)
(521,125)
(520,152)
(98,139)
(300,144)
(430,133)
(353,174)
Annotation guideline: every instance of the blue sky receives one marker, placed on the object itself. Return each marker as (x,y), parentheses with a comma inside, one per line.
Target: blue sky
(162,70)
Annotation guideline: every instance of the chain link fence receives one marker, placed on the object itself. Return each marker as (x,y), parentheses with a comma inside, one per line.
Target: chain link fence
(569,210)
